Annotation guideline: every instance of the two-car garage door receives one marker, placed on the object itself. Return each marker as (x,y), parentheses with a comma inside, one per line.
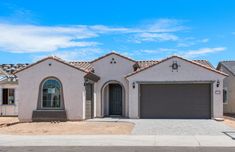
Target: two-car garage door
(175,101)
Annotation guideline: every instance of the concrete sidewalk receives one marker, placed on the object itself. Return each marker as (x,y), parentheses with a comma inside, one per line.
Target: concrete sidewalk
(117,140)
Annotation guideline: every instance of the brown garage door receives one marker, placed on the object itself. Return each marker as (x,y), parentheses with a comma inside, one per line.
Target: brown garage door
(175,101)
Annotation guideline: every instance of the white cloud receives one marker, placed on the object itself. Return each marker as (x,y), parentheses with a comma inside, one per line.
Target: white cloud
(83,54)
(160,50)
(205,40)
(160,30)
(187,42)
(165,26)
(202,51)
(155,37)
(106,29)
(29,38)
(36,38)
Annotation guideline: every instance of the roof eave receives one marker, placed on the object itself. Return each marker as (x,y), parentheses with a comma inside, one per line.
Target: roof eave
(221,64)
(47,58)
(92,76)
(194,62)
(111,53)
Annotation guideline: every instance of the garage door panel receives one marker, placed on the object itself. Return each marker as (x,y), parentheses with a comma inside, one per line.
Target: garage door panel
(175,101)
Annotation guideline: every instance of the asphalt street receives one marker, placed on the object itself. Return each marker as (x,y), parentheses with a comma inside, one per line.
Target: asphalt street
(116,149)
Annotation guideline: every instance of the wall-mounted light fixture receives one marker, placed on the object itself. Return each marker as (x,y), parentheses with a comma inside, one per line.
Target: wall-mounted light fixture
(49,64)
(217,83)
(86,82)
(133,85)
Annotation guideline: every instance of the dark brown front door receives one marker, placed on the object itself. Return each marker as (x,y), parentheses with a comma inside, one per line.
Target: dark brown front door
(175,101)
(115,99)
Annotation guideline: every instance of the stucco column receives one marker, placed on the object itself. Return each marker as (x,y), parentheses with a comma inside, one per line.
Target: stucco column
(133,101)
(218,99)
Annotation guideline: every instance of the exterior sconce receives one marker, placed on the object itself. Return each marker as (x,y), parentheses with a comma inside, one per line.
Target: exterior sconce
(85,82)
(133,85)
(217,83)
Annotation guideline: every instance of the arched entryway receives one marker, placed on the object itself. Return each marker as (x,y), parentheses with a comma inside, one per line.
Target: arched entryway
(113,99)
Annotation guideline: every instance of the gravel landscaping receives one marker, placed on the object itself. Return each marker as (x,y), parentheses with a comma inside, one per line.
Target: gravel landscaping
(5,121)
(230,121)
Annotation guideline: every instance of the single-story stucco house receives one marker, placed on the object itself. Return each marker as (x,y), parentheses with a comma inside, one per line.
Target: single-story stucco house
(228,67)
(8,89)
(115,85)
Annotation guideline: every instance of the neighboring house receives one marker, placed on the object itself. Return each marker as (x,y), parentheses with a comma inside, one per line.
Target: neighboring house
(8,89)
(229,85)
(115,85)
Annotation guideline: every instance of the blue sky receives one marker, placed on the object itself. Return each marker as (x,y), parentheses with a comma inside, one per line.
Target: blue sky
(148,29)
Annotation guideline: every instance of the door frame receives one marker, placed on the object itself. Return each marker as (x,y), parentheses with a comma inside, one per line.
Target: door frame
(105,105)
(139,83)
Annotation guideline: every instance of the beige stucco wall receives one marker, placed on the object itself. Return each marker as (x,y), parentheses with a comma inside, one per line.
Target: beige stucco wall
(229,85)
(187,73)
(9,110)
(73,88)
(111,72)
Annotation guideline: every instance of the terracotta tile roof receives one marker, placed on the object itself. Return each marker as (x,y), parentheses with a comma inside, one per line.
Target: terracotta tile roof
(111,54)
(63,62)
(203,63)
(83,65)
(49,57)
(146,63)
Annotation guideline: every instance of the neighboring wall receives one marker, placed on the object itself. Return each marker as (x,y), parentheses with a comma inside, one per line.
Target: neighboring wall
(73,88)
(229,85)
(187,73)
(9,110)
(107,73)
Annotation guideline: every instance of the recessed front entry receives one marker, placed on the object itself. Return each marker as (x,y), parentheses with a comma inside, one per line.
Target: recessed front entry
(115,99)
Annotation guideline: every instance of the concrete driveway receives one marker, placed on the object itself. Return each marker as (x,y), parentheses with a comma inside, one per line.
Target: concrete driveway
(179,127)
(174,127)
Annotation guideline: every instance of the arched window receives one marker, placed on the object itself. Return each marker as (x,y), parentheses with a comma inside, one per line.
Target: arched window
(51,92)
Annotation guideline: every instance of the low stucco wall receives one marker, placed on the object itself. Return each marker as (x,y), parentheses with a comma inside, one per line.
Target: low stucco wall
(187,73)
(73,88)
